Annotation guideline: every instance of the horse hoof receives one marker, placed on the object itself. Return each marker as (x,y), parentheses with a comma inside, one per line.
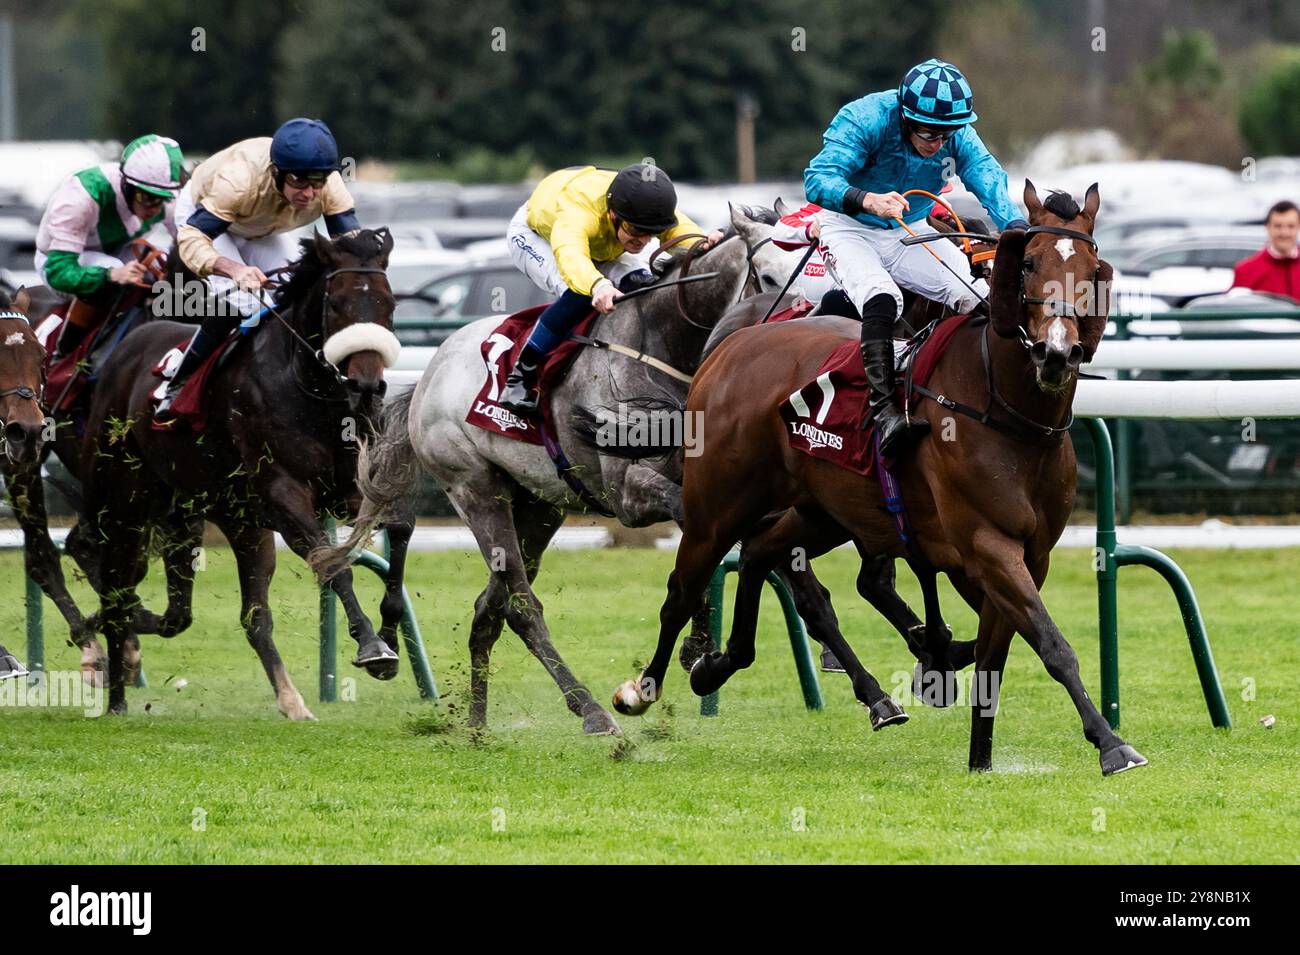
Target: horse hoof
(117,709)
(303,715)
(629,700)
(599,723)
(704,680)
(377,660)
(1121,759)
(830,662)
(886,712)
(937,688)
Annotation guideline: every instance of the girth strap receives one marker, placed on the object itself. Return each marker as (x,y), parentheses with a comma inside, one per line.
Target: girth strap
(632,353)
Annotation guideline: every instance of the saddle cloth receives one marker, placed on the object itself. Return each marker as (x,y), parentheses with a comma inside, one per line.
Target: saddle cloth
(69,378)
(500,351)
(191,405)
(824,417)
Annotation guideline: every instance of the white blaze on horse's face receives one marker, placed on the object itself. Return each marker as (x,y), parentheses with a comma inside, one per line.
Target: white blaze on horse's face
(1056,335)
(1066,248)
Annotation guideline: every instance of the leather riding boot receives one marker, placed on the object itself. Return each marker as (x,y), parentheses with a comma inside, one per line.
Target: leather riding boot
(520,394)
(201,346)
(82,319)
(878,361)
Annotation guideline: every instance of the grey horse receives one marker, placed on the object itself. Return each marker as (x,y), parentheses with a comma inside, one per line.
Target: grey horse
(509,493)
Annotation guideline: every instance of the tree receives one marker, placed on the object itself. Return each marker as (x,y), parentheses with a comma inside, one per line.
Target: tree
(1269,115)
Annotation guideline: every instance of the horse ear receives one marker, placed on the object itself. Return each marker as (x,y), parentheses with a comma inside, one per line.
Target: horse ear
(781,208)
(324,248)
(1006,310)
(22,301)
(1092,202)
(741,221)
(1092,328)
(1032,202)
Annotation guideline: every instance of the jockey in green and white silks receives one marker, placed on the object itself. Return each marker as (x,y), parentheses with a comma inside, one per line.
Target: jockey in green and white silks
(877,146)
(94,216)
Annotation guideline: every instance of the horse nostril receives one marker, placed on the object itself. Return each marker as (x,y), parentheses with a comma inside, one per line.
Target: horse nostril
(1039,352)
(382,389)
(1076,355)
(15,433)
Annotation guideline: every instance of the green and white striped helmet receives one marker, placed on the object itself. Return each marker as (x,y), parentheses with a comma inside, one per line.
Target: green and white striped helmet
(152,164)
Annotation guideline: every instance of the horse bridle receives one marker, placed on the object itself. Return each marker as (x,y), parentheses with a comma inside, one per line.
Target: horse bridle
(319,353)
(1060,308)
(22,391)
(1025,428)
(1066,309)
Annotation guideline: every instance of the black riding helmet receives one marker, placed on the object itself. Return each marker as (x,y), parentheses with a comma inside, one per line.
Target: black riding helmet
(643,196)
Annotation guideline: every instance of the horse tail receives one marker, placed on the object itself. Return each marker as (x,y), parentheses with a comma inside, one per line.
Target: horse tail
(643,427)
(387,472)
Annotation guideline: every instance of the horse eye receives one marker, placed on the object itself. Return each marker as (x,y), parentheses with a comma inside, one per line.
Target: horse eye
(1028,264)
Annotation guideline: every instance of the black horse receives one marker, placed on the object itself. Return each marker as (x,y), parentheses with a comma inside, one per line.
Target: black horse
(286,411)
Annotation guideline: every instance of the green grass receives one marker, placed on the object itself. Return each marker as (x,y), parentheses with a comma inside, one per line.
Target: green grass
(385,778)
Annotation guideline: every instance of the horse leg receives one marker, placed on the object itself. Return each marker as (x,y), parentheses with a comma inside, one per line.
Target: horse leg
(765,553)
(124,566)
(392,606)
(697,559)
(303,533)
(40,556)
(182,541)
(536,522)
(254,551)
(992,643)
(999,565)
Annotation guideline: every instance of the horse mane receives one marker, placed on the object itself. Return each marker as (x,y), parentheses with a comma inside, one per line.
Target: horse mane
(5,300)
(303,274)
(1062,205)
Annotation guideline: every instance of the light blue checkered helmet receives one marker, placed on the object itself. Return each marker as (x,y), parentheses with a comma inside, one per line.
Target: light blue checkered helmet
(936,94)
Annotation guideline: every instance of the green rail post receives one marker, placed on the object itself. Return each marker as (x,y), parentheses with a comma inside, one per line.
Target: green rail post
(329,635)
(35,628)
(410,630)
(717,593)
(1108,557)
(808,684)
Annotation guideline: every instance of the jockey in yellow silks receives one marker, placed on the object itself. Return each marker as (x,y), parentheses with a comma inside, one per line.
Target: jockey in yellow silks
(578,237)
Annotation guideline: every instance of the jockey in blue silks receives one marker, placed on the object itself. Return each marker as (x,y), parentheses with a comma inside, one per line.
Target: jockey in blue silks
(909,138)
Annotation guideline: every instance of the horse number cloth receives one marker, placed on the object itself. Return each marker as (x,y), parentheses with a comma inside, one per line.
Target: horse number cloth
(824,417)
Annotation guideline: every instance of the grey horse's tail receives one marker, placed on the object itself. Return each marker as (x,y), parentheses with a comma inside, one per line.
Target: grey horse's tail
(386,473)
(642,427)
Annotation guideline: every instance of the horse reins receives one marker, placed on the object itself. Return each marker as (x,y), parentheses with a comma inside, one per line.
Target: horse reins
(21,391)
(1026,428)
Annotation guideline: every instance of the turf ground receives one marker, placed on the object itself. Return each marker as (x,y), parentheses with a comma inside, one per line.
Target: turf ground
(212,773)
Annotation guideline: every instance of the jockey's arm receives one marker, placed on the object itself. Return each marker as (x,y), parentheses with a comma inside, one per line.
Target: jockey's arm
(985,178)
(846,147)
(571,245)
(65,273)
(338,208)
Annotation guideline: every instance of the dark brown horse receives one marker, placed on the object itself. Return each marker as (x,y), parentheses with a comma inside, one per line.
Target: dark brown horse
(286,412)
(986,507)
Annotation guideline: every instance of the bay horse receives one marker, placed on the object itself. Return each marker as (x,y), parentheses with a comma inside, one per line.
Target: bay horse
(285,414)
(61,435)
(986,508)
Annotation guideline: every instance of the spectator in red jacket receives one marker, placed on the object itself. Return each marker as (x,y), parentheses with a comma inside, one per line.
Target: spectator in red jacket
(1277,267)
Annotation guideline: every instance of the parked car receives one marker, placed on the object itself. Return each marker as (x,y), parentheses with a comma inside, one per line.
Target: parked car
(462,295)
(18,253)
(410,268)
